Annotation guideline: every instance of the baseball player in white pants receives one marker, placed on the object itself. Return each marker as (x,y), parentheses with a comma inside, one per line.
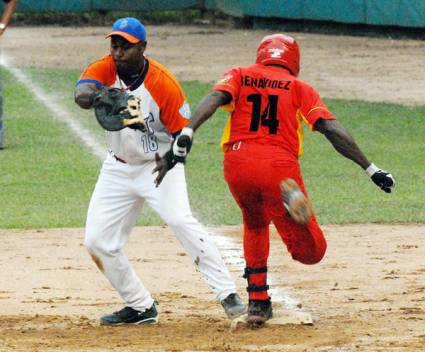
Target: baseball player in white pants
(126,179)
(117,200)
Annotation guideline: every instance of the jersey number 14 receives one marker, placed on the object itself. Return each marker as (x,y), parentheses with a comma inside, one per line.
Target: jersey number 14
(268,117)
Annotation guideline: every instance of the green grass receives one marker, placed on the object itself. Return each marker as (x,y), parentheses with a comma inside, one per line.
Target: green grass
(390,136)
(46,175)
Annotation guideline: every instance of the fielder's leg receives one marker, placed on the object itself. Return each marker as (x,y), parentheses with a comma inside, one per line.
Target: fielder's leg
(170,201)
(112,213)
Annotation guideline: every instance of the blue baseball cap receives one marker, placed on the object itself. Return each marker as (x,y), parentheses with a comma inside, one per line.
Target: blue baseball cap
(130,28)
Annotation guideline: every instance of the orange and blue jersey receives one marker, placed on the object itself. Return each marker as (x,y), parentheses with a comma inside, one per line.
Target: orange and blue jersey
(163,105)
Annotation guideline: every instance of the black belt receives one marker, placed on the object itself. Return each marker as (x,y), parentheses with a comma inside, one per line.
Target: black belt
(119,159)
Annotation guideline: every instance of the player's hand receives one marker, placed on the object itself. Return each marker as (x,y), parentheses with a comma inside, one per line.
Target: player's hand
(182,144)
(167,162)
(383,179)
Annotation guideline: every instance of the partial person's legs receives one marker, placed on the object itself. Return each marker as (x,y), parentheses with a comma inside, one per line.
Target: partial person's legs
(256,243)
(245,180)
(1,117)
(170,201)
(306,243)
(256,250)
(113,211)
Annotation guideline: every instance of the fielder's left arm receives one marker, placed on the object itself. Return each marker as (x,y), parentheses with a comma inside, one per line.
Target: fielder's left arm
(84,94)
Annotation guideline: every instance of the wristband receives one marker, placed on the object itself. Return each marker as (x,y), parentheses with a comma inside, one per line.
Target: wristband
(187,131)
(371,169)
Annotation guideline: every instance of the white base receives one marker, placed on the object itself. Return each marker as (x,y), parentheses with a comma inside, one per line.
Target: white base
(280,317)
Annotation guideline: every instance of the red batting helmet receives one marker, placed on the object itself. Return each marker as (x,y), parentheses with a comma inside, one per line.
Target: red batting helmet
(279,49)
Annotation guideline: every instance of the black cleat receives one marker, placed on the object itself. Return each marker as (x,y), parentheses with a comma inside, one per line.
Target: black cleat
(259,312)
(131,316)
(295,202)
(233,306)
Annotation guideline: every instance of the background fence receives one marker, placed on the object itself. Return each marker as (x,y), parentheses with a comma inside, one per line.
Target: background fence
(404,13)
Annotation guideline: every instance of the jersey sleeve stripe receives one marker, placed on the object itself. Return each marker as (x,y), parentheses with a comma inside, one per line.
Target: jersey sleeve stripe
(317,108)
(225,137)
(310,126)
(96,82)
(300,132)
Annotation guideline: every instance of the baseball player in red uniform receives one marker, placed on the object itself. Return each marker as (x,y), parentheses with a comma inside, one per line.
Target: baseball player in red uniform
(262,142)
(126,181)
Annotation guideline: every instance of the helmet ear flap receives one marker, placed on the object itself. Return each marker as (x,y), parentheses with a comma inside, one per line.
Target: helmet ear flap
(279,49)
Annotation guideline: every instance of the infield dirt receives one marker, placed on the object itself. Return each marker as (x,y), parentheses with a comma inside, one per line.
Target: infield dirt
(367,294)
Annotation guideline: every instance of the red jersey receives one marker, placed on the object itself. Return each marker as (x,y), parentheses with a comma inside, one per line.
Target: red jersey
(268,107)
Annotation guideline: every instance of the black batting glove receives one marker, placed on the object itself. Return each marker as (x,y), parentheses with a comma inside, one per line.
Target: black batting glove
(182,144)
(383,179)
(163,165)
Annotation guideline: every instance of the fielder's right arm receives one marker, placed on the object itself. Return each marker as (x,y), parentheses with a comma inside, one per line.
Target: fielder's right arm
(183,142)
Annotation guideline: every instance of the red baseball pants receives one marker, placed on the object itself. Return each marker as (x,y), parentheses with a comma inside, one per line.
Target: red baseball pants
(253,173)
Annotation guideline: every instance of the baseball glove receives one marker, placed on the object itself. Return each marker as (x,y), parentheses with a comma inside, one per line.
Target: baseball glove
(116,109)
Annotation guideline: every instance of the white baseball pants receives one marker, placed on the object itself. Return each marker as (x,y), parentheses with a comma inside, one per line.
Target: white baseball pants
(117,200)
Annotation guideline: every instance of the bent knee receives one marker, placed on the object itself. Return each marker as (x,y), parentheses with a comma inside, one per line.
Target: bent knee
(92,245)
(310,257)
(95,244)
